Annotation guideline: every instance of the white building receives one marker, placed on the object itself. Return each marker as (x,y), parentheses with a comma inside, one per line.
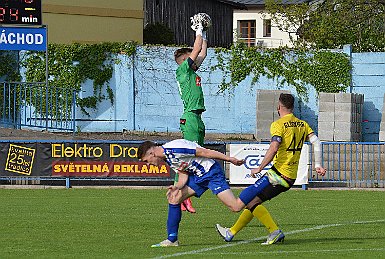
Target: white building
(255,27)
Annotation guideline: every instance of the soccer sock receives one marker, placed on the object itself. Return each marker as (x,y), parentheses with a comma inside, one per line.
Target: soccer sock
(173,220)
(248,194)
(261,213)
(244,219)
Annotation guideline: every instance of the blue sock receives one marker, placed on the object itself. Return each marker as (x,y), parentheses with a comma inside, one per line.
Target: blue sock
(248,194)
(173,220)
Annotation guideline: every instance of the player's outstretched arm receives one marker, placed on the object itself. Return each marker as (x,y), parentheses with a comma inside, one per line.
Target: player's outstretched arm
(314,140)
(270,153)
(213,154)
(203,53)
(197,44)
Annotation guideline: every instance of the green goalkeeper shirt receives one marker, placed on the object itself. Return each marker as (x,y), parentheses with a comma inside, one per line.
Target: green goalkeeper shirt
(190,87)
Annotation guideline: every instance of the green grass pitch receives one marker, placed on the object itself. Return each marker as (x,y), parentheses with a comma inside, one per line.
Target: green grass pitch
(123,223)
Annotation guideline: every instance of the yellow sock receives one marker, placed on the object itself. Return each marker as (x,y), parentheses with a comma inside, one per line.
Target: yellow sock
(244,219)
(261,213)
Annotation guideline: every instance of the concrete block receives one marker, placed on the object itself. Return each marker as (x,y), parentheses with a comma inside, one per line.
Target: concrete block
(343,126)
(265,116)
(325,125)
(383,115)
(326,97)
(343,98)
(326,135)
(277,94)
(342,135)
(262,135)
(326,116)
(265,95)
(326,106)
(343,107)
(382,136)
(267,105)
(275,116)
(263,125)
(344,116)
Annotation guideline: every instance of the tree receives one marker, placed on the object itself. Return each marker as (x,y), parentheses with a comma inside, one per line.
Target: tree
(158,33)
(329,24)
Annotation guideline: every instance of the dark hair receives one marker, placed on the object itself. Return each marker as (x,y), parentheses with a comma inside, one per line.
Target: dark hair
(144,147)
(287,100)
(181,51)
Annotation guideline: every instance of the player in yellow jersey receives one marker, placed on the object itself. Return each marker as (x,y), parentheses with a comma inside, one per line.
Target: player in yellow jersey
(288,135)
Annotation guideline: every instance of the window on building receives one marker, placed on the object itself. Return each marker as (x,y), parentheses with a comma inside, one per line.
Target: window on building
(246,30)
(266,28)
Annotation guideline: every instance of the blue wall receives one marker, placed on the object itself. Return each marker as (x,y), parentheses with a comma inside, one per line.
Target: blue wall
(147,97)
(369,79)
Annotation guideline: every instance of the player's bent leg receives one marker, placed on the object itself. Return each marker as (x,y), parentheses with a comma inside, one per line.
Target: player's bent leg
(227,197)
(248,194)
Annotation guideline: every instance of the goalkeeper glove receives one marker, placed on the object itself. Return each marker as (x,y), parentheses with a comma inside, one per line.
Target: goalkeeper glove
(199,30)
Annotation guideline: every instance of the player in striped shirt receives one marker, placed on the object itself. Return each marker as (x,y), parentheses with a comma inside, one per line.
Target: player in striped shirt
(198,171)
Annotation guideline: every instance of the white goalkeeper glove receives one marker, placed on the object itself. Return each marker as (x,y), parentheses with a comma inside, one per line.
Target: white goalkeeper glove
(199,30)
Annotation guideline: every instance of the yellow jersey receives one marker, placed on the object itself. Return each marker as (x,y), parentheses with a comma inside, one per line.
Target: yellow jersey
(292,132)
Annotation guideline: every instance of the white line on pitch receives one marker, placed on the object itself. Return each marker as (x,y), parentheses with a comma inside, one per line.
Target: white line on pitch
(263,238)
(302,251)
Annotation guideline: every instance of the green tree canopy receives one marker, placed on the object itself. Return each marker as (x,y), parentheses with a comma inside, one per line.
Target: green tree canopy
(332,23)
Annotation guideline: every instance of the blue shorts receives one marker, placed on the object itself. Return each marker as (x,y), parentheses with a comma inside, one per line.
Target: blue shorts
(214,180)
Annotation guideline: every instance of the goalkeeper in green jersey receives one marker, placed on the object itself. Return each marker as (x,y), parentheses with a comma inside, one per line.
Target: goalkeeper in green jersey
(190,88)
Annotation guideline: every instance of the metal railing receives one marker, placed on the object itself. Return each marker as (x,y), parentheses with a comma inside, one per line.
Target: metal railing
(34,105)
(356,164)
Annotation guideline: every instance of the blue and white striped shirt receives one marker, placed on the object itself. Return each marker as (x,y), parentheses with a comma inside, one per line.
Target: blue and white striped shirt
(180,156)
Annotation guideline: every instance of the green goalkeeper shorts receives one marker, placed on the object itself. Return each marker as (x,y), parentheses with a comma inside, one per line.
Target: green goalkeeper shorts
(192,127)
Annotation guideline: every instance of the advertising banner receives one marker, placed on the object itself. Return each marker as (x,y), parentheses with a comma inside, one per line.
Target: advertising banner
(18,38)
(253,155)
(75,159)
(79,159)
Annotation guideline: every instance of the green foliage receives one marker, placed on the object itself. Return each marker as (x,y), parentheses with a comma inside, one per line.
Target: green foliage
(8,66)
(332,24)
(158,33)
(71,65)
(324,70)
